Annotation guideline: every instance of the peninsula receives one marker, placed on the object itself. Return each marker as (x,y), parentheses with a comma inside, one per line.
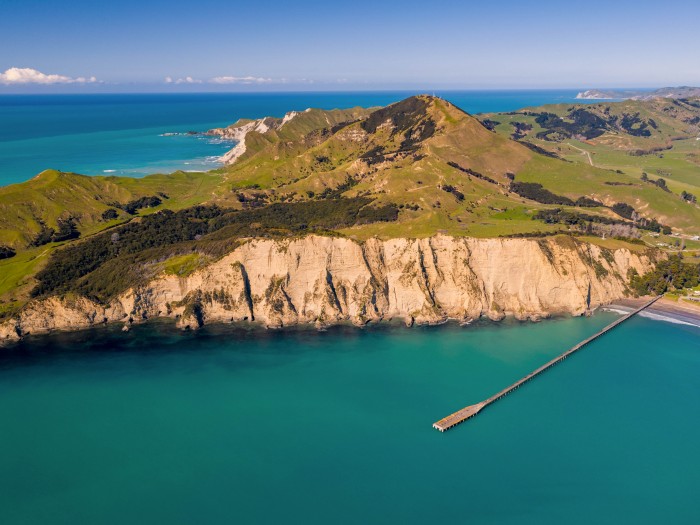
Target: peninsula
(416,211)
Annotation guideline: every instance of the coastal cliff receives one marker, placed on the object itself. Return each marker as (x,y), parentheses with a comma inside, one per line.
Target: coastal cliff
(326,280)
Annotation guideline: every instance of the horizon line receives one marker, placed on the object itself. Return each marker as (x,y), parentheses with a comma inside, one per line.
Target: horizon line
(423,90)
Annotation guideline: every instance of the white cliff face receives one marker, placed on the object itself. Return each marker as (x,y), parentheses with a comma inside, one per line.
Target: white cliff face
(326,280)
(238,132)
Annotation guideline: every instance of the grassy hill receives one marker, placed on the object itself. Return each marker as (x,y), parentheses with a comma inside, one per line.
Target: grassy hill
(53,196)
(412,169)
(640,141)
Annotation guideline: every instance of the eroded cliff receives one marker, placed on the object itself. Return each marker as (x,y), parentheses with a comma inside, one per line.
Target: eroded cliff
(327,280)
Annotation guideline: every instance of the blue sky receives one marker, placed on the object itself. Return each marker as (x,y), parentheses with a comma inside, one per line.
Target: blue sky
(203,45)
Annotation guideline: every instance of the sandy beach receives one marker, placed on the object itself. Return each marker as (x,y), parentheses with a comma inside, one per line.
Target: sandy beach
(665,309)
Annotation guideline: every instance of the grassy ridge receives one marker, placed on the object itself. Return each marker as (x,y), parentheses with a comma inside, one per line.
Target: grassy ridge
(415,168)
(53,195)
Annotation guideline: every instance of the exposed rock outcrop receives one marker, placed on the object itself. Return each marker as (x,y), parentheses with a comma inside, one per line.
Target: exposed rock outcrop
(238,131)
(327,280)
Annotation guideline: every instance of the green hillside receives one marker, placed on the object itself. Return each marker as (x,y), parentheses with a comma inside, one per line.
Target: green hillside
(414,168)
(640,142)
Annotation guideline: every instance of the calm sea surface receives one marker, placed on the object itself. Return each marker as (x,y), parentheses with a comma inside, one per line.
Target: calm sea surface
(234,426)
(227,426)
(140,134)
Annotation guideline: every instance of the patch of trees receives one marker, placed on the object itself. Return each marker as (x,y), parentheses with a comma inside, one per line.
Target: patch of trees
(473,173)
(572,218)
(110,214)
(109,263)
(67,230)
(691,102)
(319,215)
(583,220)
(335,193)
(628,212)
(586,202)
(535,235)
(537,149)
(649,151)
(536,192)
(590,224)
(454,191)
(6,252)
(671,274)
(490,124)
(374,156)
(623,210)
(634,125)
(252,199)
(132,207)
(521,129)
(585,124)
(588,125)
(68,265)
(660,182)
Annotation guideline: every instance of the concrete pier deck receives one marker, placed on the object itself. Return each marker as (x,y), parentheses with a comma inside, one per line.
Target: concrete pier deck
(468,412)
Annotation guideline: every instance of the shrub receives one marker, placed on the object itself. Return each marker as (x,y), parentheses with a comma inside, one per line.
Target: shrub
(6,252)
(110,214)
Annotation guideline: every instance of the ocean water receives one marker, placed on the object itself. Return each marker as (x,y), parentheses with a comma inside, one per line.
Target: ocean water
(235,426)
(245,426)
(138,134)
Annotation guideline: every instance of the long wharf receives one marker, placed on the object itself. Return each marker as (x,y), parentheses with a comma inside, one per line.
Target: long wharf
(472,410)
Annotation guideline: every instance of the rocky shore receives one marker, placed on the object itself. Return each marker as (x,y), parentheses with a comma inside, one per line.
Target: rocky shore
(321,281)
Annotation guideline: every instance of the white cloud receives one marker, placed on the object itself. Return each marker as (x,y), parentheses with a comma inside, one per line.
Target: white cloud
(240,80)
(27,75)
(185,80)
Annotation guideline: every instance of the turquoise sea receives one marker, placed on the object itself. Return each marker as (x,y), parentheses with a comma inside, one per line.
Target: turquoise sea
(130,134)
(233,426)
(228,425)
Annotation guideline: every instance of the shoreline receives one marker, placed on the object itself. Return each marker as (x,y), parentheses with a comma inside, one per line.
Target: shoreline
(664,309)
(170,324)
(168,327)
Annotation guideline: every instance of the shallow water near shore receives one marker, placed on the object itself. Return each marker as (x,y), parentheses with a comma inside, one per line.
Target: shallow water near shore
(249,426)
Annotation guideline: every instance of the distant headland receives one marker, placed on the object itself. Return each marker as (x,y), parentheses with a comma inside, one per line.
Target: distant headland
(616,94)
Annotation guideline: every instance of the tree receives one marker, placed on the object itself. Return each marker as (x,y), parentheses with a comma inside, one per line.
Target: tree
(688,197)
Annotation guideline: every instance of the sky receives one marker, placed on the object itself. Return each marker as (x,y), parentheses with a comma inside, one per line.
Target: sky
(309,45)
